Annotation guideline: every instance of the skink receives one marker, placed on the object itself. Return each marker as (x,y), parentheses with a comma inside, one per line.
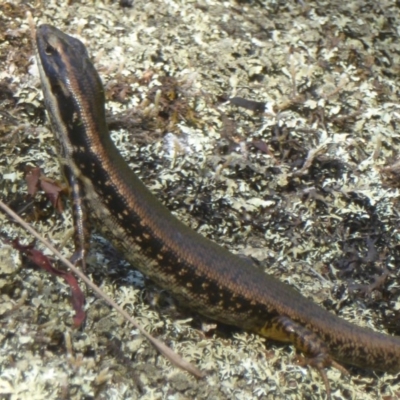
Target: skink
(198,272)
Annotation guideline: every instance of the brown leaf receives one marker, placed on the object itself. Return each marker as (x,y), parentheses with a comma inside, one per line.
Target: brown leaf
(32,179)
(53,192)
(261,145)
(36,180)
(42,261)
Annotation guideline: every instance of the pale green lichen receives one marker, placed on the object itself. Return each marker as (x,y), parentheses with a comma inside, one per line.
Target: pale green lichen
(308,205)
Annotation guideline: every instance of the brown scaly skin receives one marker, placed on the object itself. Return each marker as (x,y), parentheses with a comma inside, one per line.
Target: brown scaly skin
(198,272)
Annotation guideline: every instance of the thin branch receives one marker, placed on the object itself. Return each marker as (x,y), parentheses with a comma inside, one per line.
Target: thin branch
(160,346)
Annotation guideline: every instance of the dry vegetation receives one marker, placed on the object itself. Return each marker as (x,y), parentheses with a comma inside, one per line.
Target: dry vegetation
(299,171)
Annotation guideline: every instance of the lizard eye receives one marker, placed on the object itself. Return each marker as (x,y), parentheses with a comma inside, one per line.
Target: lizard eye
(49,50)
